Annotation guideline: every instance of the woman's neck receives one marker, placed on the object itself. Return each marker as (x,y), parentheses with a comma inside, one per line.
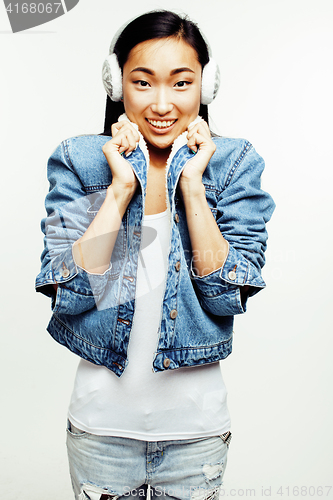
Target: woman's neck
(156,179)
(158,157)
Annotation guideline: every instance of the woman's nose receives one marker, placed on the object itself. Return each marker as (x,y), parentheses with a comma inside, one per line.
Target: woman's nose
(162,104)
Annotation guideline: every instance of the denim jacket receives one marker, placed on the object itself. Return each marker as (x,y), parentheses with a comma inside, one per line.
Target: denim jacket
(93,313)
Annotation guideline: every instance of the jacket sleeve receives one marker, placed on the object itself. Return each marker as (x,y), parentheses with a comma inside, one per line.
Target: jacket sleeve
(67,207)
(243,209)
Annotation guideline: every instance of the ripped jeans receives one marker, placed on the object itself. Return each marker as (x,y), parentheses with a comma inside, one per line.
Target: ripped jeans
(113,468)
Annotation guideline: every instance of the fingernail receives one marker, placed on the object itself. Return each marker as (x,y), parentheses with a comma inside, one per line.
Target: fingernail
(127,154)
(194,152)
(122,152)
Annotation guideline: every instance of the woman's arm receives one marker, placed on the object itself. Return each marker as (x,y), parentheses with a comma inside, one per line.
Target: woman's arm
(227,254)
(66,224)
(93,250)
(209,248)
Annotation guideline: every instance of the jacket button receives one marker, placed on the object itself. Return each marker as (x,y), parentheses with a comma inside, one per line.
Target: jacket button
(166,363)
(65,273)
(232,275)
(177,266)
(173,314)
(177,218)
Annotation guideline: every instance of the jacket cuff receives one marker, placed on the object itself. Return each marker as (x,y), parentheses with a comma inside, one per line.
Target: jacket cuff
(219,291)
(78,290)
(237,270)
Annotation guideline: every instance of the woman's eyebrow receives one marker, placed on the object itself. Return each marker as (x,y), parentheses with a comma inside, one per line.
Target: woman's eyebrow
(181,70)
(151,72)
(144,70)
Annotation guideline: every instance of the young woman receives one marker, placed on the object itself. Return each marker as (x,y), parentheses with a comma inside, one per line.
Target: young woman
(155,238)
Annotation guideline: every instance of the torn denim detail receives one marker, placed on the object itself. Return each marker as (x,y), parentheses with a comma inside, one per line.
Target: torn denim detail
(212,471)
(203,494)
(92,492)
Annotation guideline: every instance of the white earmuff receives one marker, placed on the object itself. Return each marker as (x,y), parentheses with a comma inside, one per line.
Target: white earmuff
(112,80)
(210,82)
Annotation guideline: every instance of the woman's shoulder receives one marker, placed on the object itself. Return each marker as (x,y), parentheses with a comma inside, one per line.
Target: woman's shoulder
(81,144)
(234,150)
(234,160)
(228,145)
(84,157)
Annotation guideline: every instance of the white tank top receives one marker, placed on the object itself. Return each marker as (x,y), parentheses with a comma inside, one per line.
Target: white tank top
(175,404)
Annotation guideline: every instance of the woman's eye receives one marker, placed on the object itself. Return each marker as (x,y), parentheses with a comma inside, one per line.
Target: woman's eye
(142,83)
(182,83)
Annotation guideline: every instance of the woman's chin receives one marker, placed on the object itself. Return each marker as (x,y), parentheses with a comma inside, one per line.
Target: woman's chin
(159,145)
(162,141)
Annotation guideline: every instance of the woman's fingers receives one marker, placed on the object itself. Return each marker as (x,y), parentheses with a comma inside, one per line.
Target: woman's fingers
(201,127)
(124,137)
(124,126)
(199,135)
(200,142)
(123,142)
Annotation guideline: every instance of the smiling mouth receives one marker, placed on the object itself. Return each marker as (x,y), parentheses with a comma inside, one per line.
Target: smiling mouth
(161,124)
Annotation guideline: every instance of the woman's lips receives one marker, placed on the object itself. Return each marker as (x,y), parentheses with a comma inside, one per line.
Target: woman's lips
(161,126)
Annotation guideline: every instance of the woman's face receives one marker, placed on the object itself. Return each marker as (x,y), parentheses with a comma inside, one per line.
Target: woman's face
(161,89)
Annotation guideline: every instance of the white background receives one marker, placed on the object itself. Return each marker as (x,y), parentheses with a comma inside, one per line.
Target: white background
(276,63)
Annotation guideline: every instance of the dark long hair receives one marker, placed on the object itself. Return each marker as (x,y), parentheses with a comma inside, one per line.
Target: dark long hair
(149,26)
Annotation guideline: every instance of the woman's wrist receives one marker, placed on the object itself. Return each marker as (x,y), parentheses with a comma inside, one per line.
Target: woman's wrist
(122,193)
(192,188)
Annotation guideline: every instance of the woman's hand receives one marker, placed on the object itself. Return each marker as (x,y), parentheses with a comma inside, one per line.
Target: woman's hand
(200,142)
(123,142)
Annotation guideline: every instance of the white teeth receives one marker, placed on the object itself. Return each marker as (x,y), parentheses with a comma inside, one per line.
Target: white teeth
(160,124)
